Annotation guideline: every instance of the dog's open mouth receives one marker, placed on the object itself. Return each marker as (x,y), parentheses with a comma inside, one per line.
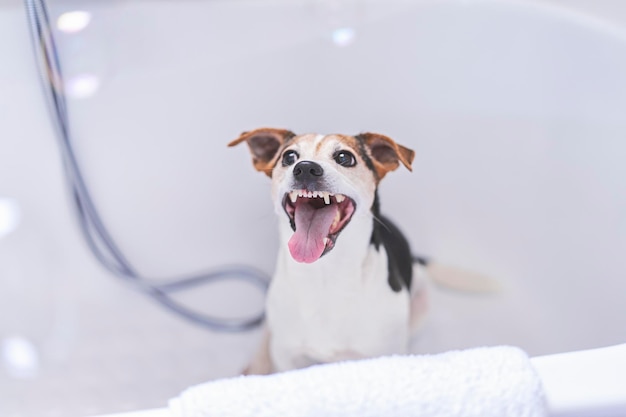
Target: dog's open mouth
(317,218)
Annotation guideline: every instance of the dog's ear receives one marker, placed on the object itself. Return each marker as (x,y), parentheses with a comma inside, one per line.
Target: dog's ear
(386,153)
(264,144)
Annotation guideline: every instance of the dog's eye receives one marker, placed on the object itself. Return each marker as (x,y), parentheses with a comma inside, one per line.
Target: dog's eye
(345,158)
(290,158)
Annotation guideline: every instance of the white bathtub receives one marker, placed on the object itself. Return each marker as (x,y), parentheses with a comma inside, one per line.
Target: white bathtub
(515,109)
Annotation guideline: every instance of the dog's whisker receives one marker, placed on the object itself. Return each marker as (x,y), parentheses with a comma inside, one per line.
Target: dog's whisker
(376,219)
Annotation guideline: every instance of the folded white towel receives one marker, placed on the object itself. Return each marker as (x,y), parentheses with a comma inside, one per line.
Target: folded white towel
(482,382)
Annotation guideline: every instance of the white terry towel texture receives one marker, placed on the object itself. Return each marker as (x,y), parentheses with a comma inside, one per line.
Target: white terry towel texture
(482,382)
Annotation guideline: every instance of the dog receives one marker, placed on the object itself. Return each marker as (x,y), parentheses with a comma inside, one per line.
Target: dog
(344,285)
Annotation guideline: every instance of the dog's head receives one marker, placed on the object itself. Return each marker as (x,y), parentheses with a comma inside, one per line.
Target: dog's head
(320,182)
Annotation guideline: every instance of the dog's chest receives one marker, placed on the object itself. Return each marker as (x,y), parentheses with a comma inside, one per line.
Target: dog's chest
(338,308)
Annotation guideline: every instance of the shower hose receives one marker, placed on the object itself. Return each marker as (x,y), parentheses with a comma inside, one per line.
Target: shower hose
(94,230)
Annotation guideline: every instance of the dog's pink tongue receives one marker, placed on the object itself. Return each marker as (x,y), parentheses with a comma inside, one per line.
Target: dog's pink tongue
(312,226)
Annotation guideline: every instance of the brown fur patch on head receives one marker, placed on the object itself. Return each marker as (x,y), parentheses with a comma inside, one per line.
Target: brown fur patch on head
(384,153)
(349,141)
(265,145)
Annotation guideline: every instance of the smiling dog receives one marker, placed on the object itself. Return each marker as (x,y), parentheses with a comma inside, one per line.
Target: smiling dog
(343,286)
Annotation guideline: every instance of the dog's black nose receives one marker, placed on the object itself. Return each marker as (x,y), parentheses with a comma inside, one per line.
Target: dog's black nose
(307,170)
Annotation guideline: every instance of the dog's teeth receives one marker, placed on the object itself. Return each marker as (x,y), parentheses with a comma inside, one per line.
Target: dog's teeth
(340,197)
(310,195)
(301,193)
(293,196)
(326,196)
(314,195)
(326,240)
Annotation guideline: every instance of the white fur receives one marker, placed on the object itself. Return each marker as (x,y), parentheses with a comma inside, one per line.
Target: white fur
(341,306)
(318,139)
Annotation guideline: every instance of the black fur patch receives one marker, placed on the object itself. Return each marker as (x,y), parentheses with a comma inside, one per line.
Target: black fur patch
(365,156)
(400,259)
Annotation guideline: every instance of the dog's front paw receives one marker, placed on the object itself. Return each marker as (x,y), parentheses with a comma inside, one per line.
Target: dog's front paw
(261,362)
(258,368)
